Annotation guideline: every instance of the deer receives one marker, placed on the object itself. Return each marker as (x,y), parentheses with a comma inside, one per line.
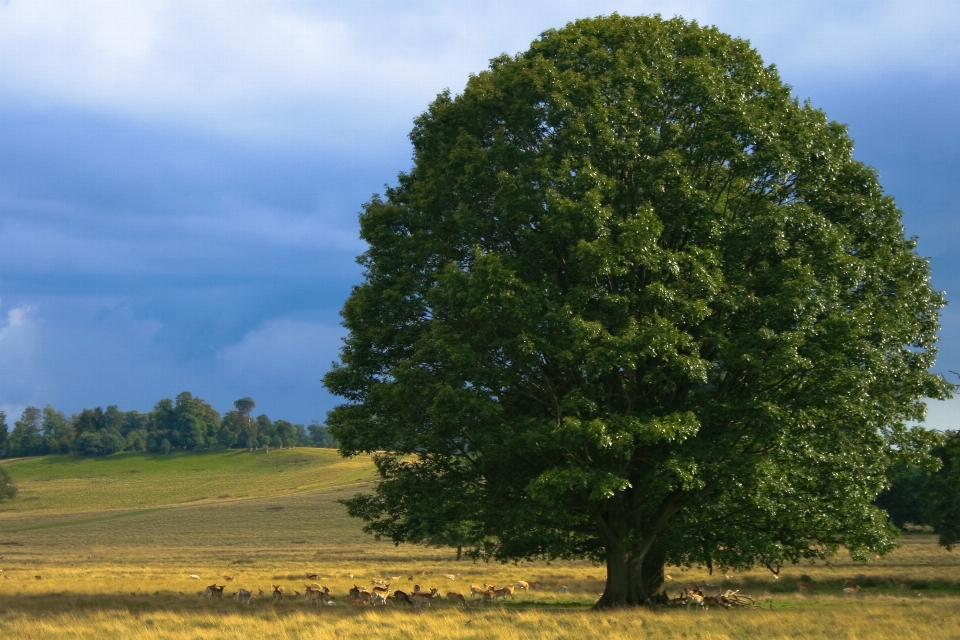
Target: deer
(421,598)
(503,592)
(804,587)
(851,591)
(214,591)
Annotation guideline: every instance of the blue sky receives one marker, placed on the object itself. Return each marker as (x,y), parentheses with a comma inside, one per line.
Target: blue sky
(180,181)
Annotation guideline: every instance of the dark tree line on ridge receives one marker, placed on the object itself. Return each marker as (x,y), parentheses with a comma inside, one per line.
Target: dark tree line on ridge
(184,423)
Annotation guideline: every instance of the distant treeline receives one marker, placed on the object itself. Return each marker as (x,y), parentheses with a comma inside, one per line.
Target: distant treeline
(925,498)
(186,423)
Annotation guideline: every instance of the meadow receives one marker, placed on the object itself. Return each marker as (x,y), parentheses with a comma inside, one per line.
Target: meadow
(115,541)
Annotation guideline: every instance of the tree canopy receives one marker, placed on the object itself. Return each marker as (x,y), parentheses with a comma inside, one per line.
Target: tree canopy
(634,302)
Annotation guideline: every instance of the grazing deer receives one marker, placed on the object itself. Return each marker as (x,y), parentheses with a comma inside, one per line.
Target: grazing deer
(804,587)
(456,595)
(503,592)
(244,596)
(312,576)
(475,590)
(421,598)
(214,591)
(522,585)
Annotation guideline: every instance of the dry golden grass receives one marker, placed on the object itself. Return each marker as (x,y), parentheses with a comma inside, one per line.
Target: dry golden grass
(125,573)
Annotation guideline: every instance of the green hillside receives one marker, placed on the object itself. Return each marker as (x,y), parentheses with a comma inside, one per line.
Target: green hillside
(144,480)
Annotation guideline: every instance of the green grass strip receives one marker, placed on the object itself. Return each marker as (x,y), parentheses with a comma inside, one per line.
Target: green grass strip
(73,523)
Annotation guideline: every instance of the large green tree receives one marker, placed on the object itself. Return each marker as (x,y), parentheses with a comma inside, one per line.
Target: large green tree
(635,303)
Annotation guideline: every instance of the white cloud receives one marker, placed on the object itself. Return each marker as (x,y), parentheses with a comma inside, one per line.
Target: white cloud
(282,352)
(339,71)
(21,381)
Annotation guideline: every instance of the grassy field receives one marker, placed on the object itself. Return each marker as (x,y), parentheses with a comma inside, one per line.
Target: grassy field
(115,542)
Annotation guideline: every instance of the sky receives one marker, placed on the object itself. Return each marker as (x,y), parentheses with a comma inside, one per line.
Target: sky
(180,181)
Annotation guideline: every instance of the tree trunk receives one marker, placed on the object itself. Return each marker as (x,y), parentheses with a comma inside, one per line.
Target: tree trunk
(459,551)
(634,578)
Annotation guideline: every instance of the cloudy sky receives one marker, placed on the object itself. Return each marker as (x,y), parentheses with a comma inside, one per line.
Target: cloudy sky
(180,181)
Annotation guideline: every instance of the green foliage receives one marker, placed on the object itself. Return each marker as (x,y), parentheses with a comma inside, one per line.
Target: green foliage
(905,500)
(943,492)
(320,436)
(634,302)
(25,439)
(7,488)
(4,434)
(187,423)
(59,433)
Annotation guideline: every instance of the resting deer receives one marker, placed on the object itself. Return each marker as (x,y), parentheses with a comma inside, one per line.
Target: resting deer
(851,591)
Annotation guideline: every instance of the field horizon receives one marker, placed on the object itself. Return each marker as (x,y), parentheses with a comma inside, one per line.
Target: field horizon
(116,539)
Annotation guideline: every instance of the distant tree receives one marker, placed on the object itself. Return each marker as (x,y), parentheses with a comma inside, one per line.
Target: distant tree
(4,434)
(100,443)
(7,488)
(196,422)
(320,436)
(943,492)
(136,431)
(99,432)
(905,500)
(165,446)
(302,439)
(136,440)
(89,421)
(248,428)
(162,426)
(231,428)
(266,433)
(26,438)
(286,433)
(58,432)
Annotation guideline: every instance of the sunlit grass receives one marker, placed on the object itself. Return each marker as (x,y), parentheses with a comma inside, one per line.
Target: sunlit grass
(109,572)
(141,480)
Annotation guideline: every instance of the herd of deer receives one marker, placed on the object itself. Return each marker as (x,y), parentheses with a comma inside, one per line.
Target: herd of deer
(380,594)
